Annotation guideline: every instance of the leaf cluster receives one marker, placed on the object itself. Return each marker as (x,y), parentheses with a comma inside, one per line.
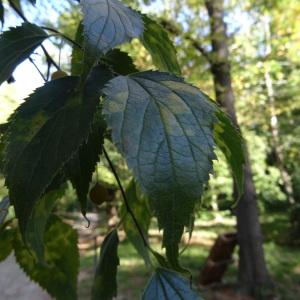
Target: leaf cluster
(165,128)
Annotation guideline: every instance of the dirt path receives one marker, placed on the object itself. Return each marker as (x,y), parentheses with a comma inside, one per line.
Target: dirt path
(15,285)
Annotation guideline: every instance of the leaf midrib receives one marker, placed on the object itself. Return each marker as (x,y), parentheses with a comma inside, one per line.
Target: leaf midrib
(170,153)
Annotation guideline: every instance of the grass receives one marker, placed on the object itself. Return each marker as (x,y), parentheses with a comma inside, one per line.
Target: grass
(283,261)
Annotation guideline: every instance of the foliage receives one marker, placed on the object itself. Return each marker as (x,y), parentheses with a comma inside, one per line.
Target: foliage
(168,285)
(16,45)
(157,42)
(6,239)
(38,221)
(4,206)
(80,168)
(105,284)
(139,205)
(159,160)
(58,275)
(58,272)
(165,128)
(232,148)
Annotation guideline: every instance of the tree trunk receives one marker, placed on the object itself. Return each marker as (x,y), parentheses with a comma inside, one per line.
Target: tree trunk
(253,272)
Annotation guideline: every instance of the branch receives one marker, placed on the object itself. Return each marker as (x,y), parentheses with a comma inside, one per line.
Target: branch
(198,47)
(62,35)
(22,16)
(37,68)
(125,199)
(171,28)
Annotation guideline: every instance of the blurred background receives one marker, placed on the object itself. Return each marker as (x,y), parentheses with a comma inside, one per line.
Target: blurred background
(263,39)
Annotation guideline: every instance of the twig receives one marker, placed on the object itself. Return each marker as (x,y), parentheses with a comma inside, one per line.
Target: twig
(196,44)
(63,36)
(125,199)
(37,68)
(21,15)
(198,47)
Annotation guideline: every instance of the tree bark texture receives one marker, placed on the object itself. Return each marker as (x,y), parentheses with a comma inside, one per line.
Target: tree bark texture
(253,272)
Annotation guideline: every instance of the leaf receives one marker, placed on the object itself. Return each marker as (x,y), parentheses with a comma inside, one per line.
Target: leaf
(163,127)
(38,220)
(1,12)
(139,207)
(33,2)
(77,53)
(2,147)
(105,282)
(4,206)
(167,285)
(16,45)
(157,42)
(230,141)
(120,62)
(81,167)
(108,23)
(3,128)
(46,131)
(6,241)
(59,275)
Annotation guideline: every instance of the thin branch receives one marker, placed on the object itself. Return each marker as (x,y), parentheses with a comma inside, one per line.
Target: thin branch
(50,59)
(16,9)
(171,28)
(22,16)
(198,47)
(125,199)
(37,68)
(63,36)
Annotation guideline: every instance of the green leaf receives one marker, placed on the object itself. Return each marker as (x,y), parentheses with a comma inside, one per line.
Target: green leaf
(59,275)
(139,207)
(16,45)
(38,220)
(82,165)
(3,128)
(77,53)
(108,23)
(1,12)
(120,62)
(4,205)
(163,127)
(6,242)
(2,149)
(230,141)
(105,282)
(167,285)
(157,42)
(46,131)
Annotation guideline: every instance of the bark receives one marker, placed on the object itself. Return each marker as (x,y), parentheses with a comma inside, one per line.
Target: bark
(252,267)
